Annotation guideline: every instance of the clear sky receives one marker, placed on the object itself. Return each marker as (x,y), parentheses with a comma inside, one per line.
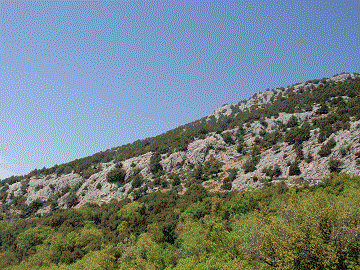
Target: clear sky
(79,77)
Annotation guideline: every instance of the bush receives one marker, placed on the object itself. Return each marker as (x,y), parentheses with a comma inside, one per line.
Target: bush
(298,135)
(71,200)
(293,122)
(326,148)
(155,165)
(227,183)
(89,172)
(38,187)
(294,169)
(299,150)
(324,109)
(272,171)
(228,138)
(250,165)
(335,165)
(137,181)
(175,179)
(241,148)
(116,175)
(309,158)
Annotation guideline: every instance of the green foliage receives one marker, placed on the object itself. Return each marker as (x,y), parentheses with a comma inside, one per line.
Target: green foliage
(204,172)
(175,179)
(227,182)
(228,138)
(298,134)
(98,186)
(155,165)
(250,165)
(241,145)
(324,109)
(309,158)
(276,227)
(299,150)
(325,150)
(335,165)
(294,168)
(71,200)
(137,181)
(272,171)
(293,122)
(89,172)
(116,175)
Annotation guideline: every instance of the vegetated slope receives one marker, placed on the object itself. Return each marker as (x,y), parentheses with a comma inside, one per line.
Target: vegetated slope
(299,133)
(274,227)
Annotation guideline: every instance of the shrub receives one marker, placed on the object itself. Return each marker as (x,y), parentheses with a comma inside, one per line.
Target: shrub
(335,165)
(324,109)
(241,148)
(272,171)
(299,150)
(65,190)
(227,183)
(116,175)
(155,165)
(137,181)
(325,150)
(175,179)
(309,158)
(250,165)
(228,138)
(38,187)
(343,152)
(294,169)
(293,122)
(89,172)
(298,135)
(71,200)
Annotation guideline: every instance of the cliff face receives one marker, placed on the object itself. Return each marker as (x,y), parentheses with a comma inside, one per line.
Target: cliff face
(307,144)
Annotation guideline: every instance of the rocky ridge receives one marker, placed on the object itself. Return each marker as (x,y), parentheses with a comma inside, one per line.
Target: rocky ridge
(73,190)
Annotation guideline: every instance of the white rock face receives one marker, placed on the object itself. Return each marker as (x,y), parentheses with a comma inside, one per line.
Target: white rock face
(199,149)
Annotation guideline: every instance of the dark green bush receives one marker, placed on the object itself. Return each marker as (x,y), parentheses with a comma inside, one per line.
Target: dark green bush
(155,165)
(137,181)
(227,182)
(298,135)
(335,165)
(250,165)
(293,122)
(272,171)
(116,175)
(325,150)
(294,169)
(71,200)
(228,138)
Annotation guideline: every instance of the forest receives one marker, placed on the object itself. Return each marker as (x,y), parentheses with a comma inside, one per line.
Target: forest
(303,226)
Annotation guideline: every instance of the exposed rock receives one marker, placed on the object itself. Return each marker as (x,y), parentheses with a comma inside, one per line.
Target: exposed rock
(96,189)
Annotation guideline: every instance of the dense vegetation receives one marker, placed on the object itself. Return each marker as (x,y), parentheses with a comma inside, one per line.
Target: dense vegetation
(276,227)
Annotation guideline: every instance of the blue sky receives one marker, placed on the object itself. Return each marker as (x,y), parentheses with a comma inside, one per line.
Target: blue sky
(78,77)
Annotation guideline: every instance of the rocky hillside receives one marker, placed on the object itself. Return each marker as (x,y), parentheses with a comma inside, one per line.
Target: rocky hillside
(298,134)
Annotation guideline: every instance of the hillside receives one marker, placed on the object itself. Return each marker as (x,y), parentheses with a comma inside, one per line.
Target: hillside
(297,134)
